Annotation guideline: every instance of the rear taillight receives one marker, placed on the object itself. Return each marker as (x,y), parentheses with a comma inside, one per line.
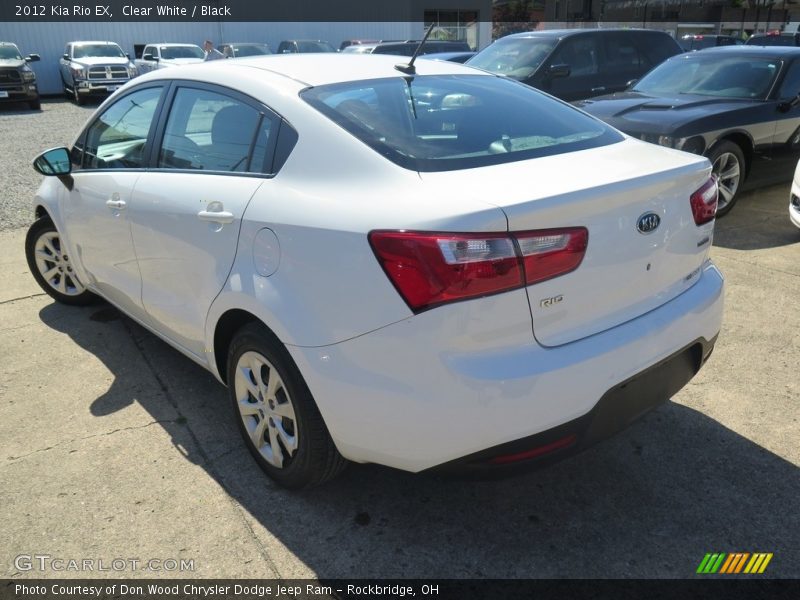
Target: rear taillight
(429,269)
(704,202)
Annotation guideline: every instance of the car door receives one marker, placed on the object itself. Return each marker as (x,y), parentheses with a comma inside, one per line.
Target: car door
(786,143)
(209,160)
(582,54)
(147,65)
(110,157)
(623,61)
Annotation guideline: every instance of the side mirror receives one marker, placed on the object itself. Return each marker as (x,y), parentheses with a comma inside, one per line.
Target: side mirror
(53,162)
(787,105)
(147,56)
(632,82)
(65,56)
(558,71)
(33,58)
(128,55)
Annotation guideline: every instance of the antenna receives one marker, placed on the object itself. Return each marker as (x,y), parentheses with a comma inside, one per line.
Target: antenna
(409,69)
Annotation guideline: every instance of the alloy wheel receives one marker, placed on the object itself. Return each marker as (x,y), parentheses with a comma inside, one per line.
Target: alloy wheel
(54,265)
(728,171)
(266,409)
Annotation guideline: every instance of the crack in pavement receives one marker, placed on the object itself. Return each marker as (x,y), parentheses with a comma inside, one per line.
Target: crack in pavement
(28,297)
(203,455)
(760,266)
(16,459)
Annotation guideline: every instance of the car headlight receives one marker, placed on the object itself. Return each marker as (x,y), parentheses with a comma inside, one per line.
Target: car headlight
(27,74)
(79,72)
(131,71)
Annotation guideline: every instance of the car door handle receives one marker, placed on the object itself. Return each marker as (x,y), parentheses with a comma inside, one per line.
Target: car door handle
(116,204)
(602,88)
(216,216)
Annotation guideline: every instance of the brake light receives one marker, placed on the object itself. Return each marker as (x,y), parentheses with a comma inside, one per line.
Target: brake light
(704,202)
(429,269)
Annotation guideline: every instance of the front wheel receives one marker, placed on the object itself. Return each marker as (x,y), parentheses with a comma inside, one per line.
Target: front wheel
(727,162)
(51,266)
(276,414)
(76,96)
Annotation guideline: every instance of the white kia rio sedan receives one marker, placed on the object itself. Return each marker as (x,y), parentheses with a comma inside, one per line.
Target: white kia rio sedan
(441,269)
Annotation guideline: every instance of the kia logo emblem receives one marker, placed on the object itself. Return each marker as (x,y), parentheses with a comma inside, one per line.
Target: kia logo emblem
(648,222)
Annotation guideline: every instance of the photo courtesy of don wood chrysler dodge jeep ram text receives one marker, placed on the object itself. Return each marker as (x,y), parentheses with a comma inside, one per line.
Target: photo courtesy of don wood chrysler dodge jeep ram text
(389,265)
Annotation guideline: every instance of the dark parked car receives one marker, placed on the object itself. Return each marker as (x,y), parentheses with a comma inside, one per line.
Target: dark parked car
(573,64)
(774,38)
(737,105)
(17,79)
(702,41)
(458,57)
(304,46)
(240,50)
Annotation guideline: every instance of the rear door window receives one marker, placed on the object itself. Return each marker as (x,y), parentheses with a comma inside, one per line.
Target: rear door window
(211,131)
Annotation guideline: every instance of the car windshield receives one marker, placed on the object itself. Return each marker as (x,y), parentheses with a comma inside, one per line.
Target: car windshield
(315,47)
(448,122)
(514,57)
(98,51)
(698,43)
(171,52)
(251,50)
(9,53)
(712,75)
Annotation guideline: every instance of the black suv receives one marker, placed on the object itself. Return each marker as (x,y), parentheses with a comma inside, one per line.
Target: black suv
(699,41)
(408,47)
(774,38)
(574,64)
(17,79)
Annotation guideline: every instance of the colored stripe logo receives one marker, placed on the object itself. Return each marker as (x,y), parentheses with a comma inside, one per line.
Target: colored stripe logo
(734,562)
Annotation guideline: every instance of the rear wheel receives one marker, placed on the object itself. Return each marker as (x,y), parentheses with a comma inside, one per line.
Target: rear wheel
(727,161)
(276,414)
(50,265)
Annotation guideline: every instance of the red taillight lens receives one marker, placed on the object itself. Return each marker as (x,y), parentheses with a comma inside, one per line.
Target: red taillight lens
(429,269)
(704,202)
(548,253)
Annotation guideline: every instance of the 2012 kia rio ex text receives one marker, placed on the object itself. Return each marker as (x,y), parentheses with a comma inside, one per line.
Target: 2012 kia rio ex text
(428,268)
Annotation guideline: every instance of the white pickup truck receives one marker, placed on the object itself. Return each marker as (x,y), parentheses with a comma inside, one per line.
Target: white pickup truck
(160,56)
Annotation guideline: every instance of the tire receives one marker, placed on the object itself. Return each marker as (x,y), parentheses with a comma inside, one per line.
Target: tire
(35,104)
(276,414)
(727,160)
(76,96)
(51,268)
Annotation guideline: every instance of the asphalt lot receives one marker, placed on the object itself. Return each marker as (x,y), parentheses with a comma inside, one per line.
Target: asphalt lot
(115,446)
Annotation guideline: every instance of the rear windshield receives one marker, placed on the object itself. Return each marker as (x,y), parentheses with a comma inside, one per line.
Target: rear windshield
(449,122)
(772,40)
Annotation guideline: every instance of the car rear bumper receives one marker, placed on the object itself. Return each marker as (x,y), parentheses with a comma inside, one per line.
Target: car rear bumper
(407,397)
(618,408)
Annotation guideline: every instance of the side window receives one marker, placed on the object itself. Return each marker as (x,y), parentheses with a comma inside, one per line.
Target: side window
(213,132)
(790,86)
(622,54)
(117,138)
(580,54)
